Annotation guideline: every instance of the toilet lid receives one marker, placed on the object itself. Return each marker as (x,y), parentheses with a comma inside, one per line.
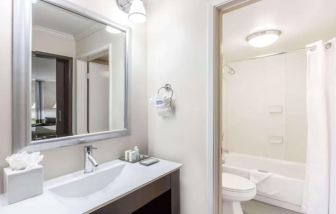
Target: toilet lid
(235,183)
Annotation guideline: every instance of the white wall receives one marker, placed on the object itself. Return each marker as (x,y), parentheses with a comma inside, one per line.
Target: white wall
(249,94)
(176,37)
(81,97)
(65,160)
(101,39)
(51,43)
(99,97)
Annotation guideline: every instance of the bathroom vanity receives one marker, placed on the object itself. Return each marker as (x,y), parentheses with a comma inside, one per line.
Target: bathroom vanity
(115,187)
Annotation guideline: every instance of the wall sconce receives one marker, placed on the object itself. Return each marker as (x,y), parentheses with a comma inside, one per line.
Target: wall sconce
(135,9)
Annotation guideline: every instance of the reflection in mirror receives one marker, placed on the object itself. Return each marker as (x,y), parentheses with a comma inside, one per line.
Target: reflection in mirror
(78,74)
(43,97)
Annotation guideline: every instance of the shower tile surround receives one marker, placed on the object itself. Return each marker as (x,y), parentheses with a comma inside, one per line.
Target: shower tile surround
(269,90)
(264,115)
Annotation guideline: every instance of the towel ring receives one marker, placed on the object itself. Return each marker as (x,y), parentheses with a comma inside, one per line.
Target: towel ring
(168,88)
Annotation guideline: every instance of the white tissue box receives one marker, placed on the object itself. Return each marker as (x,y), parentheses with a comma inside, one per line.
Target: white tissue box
(23,184)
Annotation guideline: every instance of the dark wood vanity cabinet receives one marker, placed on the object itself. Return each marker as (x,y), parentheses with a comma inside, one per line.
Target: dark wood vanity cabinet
(161,196)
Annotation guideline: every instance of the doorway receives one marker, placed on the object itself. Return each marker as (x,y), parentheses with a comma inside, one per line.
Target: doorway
(51,96)
(98,77)
(263,83)
(215,9)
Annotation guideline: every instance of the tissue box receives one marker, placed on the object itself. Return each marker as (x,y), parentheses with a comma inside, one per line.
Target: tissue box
(23,184)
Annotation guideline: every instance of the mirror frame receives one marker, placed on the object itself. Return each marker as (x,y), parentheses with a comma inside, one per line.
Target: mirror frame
(21,79)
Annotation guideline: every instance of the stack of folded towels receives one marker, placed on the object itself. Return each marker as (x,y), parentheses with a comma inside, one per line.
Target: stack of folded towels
(163,105)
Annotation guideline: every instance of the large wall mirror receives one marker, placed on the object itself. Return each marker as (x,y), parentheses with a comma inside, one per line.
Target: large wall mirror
(69,76)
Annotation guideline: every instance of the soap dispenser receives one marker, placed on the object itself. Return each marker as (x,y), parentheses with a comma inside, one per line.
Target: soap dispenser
(137,152)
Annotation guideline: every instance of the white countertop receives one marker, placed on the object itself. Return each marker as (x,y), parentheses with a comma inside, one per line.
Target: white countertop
(134,177)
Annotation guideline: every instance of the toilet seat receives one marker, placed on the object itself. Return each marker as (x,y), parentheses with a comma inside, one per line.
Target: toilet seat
(237,188)
(235,183)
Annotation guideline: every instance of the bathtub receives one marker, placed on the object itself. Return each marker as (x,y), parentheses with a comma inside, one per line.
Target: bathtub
(291,173)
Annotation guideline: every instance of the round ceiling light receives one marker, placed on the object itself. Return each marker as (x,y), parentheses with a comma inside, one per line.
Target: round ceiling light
(263,38)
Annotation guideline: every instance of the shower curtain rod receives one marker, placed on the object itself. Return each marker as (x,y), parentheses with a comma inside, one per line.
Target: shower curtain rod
(327,45)
(264,56)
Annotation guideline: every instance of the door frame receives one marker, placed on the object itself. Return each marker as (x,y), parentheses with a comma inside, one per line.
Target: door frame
(214,183)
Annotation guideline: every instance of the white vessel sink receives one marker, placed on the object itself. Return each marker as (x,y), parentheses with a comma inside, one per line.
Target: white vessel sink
(89,183)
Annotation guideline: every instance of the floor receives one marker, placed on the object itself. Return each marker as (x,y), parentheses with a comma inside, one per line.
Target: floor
(255,207)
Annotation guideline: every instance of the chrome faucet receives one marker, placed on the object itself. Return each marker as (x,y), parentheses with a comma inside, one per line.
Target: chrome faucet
(89,162)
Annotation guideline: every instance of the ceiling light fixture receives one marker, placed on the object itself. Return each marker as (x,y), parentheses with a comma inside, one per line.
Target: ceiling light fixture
(263,38)
(135,9)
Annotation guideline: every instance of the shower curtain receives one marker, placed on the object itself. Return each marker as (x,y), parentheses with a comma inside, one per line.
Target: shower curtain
(320,184)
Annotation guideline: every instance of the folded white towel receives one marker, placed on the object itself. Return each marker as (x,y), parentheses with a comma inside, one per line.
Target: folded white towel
(266,182)
(160,102)
(163,105)
(257,176)
(272,186)
(165,112)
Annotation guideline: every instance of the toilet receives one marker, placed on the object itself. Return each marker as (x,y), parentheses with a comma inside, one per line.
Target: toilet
(236,189)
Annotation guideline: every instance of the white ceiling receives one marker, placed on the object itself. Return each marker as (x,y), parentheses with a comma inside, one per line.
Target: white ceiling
(56,19)
(301,22)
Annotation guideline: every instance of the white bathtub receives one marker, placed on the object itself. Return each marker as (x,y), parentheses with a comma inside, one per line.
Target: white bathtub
(292,175)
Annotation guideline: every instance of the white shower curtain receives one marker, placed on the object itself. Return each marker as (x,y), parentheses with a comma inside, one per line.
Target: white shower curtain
(320,189)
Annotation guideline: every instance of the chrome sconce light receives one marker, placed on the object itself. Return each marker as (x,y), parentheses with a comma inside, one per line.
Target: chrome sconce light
(135,9)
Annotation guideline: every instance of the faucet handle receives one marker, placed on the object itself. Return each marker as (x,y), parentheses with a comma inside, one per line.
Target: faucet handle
(91,147)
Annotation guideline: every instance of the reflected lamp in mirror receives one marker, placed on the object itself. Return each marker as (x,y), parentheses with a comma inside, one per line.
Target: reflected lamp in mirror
(135,9)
